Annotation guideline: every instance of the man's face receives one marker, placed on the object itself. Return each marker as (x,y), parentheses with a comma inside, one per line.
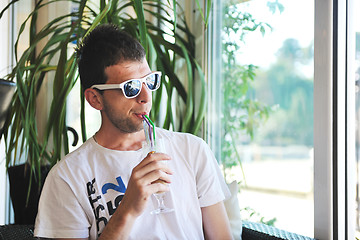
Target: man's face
(123,113)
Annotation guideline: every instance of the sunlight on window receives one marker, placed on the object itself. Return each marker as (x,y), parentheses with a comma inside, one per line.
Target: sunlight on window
(267,110)
(357,91)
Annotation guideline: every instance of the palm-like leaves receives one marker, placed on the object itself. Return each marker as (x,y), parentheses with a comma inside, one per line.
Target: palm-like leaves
(57,57)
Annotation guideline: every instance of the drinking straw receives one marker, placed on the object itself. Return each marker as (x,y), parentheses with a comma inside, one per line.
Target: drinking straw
(146,129)
(152,124)
(150,131)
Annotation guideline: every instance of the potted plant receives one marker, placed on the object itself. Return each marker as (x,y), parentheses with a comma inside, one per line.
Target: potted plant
(167,40)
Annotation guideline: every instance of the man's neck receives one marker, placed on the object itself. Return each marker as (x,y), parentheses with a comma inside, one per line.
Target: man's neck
(117,140)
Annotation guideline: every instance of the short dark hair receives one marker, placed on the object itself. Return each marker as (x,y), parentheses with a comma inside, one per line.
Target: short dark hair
(105,46)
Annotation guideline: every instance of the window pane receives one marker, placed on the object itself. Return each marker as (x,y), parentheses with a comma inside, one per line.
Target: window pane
(10,23)
(267,109)
(357,111)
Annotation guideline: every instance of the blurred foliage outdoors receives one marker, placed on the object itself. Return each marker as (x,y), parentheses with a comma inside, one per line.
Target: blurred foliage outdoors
(280,96)
(252,97)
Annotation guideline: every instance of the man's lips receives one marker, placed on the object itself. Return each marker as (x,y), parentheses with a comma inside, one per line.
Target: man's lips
(140,115)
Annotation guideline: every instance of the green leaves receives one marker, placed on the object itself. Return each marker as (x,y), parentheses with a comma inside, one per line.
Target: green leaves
(30,71)
(138,7)
(169,45)
(208,10)
(242,113)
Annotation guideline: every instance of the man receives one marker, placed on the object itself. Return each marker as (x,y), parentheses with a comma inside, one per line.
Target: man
(105,188)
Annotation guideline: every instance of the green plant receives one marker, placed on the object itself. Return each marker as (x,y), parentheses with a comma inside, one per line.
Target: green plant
(161,30)
(251,215)
(240,111)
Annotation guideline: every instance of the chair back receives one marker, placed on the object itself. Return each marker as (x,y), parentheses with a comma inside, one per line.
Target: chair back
(17,232)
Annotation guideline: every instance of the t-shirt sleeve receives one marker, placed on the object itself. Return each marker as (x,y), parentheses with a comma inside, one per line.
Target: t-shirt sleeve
(60,215)
(211,186)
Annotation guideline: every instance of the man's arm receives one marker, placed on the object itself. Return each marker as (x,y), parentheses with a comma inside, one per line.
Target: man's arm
(216,222)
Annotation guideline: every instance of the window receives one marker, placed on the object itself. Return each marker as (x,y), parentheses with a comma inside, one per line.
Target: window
(292,125)
(267,110)
(9,25)
(356,73)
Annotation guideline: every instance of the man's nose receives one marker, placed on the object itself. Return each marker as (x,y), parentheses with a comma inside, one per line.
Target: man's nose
(145,95)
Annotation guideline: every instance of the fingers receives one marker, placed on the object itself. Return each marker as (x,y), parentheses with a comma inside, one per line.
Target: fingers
(151,169)
(152,156)
(137,195)
(154,161)
(155,170)
(157,176)
(147,177)
(158,187)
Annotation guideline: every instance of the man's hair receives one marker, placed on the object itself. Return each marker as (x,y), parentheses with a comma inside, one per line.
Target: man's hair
(105,46)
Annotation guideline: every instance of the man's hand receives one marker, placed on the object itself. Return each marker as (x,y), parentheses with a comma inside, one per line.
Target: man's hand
(141,184)
(140,187)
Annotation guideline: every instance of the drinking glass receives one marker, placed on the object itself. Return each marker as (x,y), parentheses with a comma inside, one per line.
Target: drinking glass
(159,147)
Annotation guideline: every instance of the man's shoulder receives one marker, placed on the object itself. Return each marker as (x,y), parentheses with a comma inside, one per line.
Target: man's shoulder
(75,157)
(179,136)
(169,133)
(83,149)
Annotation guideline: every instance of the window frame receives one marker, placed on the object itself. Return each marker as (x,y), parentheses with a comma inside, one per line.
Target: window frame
(334,121)
(7,23)
(334,114)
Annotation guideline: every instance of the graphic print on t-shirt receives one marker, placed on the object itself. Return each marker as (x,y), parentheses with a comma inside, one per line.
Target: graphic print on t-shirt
(119,188)
(111,205)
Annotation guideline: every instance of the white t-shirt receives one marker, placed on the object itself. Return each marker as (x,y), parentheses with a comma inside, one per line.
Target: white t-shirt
(83,190)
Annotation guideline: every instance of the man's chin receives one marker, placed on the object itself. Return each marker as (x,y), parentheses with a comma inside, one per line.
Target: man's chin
(134,129)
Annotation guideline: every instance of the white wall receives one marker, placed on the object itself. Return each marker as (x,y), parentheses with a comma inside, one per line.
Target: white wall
(4,66)
(4,41)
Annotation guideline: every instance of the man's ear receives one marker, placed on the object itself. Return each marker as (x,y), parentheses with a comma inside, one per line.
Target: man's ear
(94,98)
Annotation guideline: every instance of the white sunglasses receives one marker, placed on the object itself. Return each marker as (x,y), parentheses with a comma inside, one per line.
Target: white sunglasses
(132,88)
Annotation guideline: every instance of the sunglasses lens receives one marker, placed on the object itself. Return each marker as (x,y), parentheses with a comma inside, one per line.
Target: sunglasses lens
(153,81)
(132,88)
